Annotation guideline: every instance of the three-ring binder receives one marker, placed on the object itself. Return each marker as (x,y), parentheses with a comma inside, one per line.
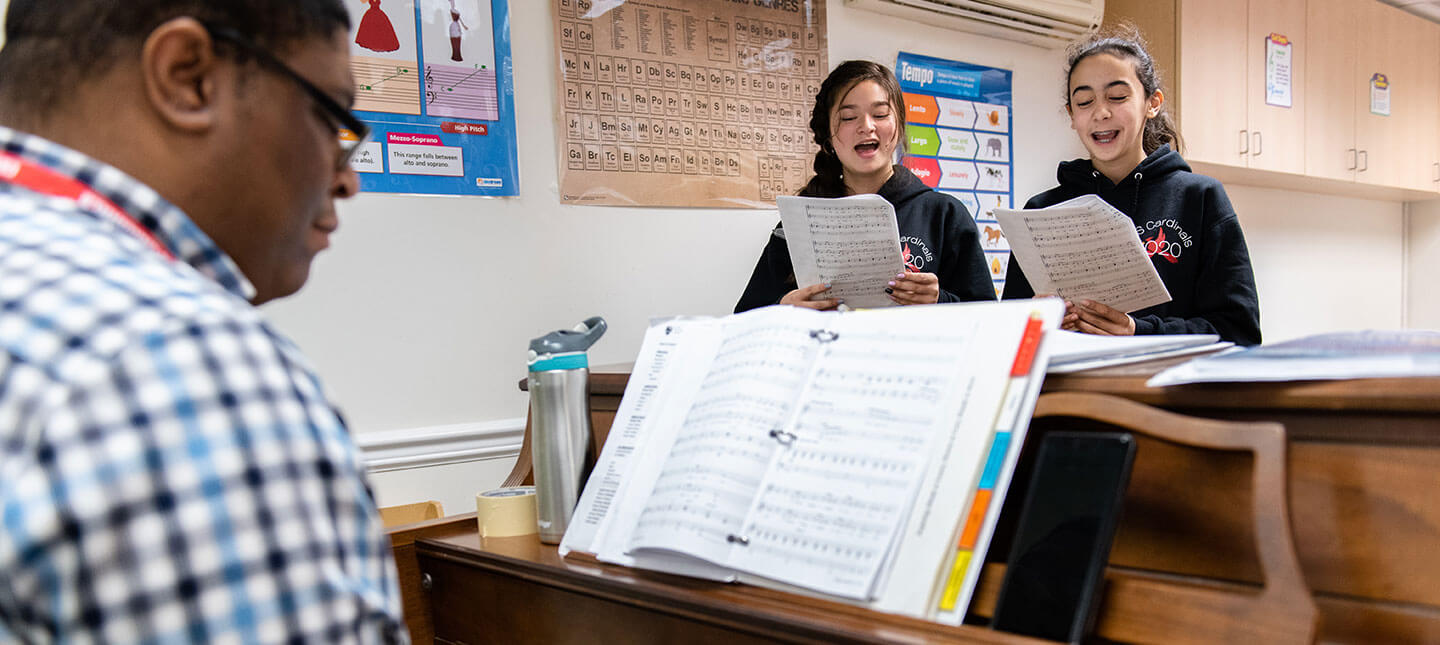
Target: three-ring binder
(824,335)
(737,539)
(785,437)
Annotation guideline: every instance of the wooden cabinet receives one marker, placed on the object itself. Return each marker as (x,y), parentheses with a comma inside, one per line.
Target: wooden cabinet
(1349,139)
(1330,121)
(1214,60)
(1220,90)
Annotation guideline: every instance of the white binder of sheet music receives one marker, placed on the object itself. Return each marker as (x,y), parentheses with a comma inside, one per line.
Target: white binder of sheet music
(817,451)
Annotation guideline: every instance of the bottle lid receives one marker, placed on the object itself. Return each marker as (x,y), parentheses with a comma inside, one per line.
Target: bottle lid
(553,345)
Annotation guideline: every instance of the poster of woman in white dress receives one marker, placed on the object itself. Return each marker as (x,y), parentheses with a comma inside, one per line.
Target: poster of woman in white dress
(457,37)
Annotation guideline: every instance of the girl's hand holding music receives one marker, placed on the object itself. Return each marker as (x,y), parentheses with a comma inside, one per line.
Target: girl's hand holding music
(802,298)
(915,289)
(1090,317)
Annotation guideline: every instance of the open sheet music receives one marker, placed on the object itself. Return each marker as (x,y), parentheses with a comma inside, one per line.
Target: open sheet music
(851,242)
(1083,248)
(820,451)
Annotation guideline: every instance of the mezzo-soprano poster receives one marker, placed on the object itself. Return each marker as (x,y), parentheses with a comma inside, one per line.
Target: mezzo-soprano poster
(960,133)
(434,82)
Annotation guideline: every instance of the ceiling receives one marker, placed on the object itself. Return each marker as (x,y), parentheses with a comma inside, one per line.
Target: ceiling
(1428,9)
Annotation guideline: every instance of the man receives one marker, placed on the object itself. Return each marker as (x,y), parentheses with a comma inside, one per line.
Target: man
(170,470)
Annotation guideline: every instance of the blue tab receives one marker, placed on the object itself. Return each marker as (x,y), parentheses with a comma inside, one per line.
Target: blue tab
(995,460)
(560,362)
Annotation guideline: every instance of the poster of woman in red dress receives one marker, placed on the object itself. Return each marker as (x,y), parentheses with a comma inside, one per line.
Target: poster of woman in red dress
(376,33)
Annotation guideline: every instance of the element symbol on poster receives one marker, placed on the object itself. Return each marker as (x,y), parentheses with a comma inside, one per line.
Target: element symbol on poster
(686,102)
(958,125)
(1380,95)
(419,66)
(1278,67)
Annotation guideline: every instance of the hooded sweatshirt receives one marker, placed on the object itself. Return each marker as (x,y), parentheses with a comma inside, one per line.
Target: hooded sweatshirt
(937,236)
(1192,235)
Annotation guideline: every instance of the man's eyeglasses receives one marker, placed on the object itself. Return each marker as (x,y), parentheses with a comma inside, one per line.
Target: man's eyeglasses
(327,104)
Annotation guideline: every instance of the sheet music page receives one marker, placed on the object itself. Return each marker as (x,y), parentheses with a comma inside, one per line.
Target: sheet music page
(851,242)
(665,368)
(882,391)
(711,472)
(1083,248)
(930,533)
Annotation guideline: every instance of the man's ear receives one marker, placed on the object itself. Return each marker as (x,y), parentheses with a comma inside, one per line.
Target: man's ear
(179,68)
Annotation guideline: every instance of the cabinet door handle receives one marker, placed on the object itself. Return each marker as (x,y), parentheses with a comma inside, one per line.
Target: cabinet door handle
(1354,160)
(1258,148)
(1364,160)
(1244,142)
(1437,171)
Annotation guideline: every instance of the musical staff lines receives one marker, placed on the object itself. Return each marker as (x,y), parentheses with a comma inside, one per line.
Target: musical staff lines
(386,85)
(461,92)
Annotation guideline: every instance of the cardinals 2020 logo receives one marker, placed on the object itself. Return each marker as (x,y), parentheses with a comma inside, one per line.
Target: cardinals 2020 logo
(1158,245)
(915,253)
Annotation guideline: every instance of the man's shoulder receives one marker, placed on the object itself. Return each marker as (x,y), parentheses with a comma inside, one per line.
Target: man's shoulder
(78,290)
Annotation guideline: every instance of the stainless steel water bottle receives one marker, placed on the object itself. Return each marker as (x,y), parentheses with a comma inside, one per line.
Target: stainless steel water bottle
(561,452)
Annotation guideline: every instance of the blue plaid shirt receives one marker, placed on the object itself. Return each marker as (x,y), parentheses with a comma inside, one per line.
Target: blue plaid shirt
(170,469)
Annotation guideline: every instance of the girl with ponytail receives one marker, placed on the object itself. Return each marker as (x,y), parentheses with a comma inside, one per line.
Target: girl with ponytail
(1185,220)
(859,123)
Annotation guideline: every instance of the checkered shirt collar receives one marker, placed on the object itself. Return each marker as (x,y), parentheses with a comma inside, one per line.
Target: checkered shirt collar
(170,225)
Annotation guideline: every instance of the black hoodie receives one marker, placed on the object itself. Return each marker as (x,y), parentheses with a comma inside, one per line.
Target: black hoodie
(1192,235)
(937,236)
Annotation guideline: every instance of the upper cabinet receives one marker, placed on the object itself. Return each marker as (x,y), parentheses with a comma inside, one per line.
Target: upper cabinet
(1373,79)
(1242,98)
(1316,94)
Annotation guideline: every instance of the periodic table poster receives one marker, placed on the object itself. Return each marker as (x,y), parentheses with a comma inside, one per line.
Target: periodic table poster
(686,102)
(433,82)
(960,133)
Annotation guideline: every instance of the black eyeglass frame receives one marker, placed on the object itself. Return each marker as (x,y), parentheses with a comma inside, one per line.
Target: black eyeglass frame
(329,105)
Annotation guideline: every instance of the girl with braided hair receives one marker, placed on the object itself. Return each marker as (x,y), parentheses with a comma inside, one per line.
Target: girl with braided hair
(859,122)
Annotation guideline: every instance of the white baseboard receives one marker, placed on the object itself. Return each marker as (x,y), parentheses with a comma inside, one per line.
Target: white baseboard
(440,445)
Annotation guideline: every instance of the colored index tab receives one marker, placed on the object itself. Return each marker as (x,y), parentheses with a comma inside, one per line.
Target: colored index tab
(971,532)
(1028,344)
(951,596)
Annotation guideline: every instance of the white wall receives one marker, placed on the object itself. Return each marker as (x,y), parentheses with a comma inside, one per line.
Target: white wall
(420,315)
(1422,256)
(1322,263)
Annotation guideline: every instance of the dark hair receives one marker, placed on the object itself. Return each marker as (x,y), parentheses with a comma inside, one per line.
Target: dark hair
(51,46)
(828,180)
(1125,41)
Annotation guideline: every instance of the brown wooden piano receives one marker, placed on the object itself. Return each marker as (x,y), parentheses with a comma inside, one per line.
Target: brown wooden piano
(1358,467)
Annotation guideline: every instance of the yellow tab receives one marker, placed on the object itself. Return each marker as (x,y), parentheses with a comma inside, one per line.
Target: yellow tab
(957,576)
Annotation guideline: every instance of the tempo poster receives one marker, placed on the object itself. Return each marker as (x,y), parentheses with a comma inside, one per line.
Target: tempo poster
(959,126)
(435,83)
(686,102)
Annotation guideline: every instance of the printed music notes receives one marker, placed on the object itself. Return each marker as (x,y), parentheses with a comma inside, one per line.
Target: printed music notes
(1083,249)
(851,242)
(826,452)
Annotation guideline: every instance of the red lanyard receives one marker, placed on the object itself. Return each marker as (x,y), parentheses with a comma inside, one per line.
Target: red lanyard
(45,181)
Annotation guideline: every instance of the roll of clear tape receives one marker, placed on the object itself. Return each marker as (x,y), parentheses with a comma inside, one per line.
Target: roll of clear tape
(506,512)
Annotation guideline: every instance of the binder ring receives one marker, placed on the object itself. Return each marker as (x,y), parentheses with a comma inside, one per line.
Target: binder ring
(823,335)
(784,437)
(737,539)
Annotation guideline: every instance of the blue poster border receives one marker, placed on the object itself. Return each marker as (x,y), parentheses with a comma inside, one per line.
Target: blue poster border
(491,160)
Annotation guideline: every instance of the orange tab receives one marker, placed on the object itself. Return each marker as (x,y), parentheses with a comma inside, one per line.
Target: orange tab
(921,109)
(977,517)
(1029,342)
